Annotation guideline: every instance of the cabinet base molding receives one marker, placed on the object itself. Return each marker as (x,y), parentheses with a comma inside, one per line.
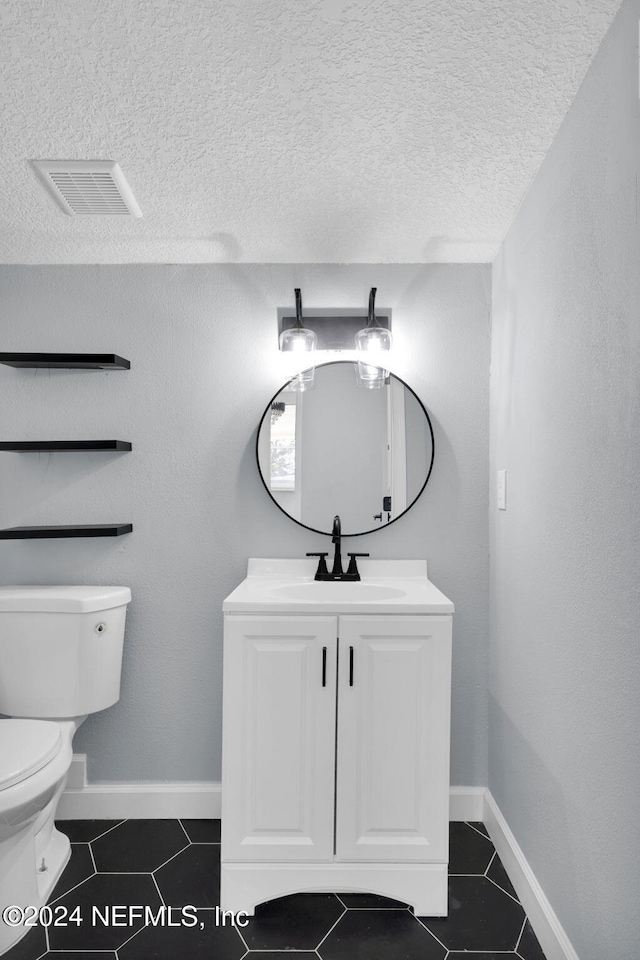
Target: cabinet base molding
(422,885)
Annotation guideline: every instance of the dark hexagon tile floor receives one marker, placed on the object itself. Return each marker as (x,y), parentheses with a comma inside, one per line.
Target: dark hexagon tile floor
(202,831)
(192,877)
(80,867)
(102,904)
(138,846)
(167,865)
(298,922)
(282,955)
(84,831)
(379,935)
(464,955)
(203,940)
(481,917)
(469,850)
(528,946)
(498,874)
(368,901)
(82,955)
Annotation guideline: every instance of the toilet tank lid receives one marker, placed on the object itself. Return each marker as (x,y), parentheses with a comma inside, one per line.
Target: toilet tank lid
(26,746)
(60,599)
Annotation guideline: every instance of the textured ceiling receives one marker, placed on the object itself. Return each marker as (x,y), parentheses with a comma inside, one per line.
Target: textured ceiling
(286,130)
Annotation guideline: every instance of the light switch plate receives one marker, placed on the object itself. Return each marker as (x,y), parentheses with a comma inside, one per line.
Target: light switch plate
(502,489)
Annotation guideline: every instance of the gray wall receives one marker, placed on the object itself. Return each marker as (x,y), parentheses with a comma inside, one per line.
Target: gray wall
(202,341)
(565,422)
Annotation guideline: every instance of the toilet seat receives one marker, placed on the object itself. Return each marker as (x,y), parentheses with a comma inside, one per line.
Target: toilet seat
(26,746)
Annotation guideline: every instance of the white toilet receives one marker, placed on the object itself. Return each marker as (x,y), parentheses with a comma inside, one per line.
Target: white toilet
(60,659)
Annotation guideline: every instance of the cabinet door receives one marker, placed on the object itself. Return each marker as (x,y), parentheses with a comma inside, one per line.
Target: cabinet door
(393,738)
(278,766)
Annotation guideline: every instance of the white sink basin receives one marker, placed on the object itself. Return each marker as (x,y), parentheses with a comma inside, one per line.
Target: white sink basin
(328,591)
(287,586)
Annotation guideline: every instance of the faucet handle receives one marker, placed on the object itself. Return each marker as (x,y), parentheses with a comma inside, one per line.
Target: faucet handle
(353,567)
(321,573)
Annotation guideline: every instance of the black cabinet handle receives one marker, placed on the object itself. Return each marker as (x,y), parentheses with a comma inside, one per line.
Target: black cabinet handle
(350,666)
(324,666)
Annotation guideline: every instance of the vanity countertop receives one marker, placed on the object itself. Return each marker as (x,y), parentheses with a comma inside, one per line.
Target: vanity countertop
(386,586)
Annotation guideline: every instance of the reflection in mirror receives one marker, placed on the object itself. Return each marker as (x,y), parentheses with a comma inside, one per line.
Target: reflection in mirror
(282,456)
(340,449)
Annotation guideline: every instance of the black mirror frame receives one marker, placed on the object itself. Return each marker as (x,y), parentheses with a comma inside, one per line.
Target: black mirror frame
(327,533)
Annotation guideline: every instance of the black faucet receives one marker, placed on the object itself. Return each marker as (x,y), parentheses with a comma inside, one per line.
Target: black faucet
(337,573)
(336,539)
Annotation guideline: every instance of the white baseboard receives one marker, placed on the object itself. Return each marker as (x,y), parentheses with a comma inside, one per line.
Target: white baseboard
(141,801)
(153,801)
(466,803)
(77,776)
(547,928)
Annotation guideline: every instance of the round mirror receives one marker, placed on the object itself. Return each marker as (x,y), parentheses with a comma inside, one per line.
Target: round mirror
(365,455)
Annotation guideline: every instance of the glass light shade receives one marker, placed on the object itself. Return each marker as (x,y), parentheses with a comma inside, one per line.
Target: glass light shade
(305,380)
(373,339)
(298,340)
(369,376)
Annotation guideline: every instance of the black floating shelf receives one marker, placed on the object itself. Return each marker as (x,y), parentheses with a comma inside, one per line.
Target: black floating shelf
(70,361)
(33,446)
(83,530)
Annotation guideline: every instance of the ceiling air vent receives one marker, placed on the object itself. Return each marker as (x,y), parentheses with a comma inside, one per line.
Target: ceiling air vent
(88,188)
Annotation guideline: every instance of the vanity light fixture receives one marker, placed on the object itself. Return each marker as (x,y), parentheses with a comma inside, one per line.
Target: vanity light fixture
(372,343)
(300,341)
(339,329)
(297,338)
(373,337)
(335,328)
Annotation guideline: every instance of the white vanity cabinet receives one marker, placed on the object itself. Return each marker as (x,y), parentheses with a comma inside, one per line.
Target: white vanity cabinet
(279,738)
(336,752)
(392,771)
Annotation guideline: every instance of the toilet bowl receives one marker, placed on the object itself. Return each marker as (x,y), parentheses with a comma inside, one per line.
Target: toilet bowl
(60,659)
(35,756)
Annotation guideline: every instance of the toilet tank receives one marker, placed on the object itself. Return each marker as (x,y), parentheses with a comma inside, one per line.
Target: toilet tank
(60,649)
